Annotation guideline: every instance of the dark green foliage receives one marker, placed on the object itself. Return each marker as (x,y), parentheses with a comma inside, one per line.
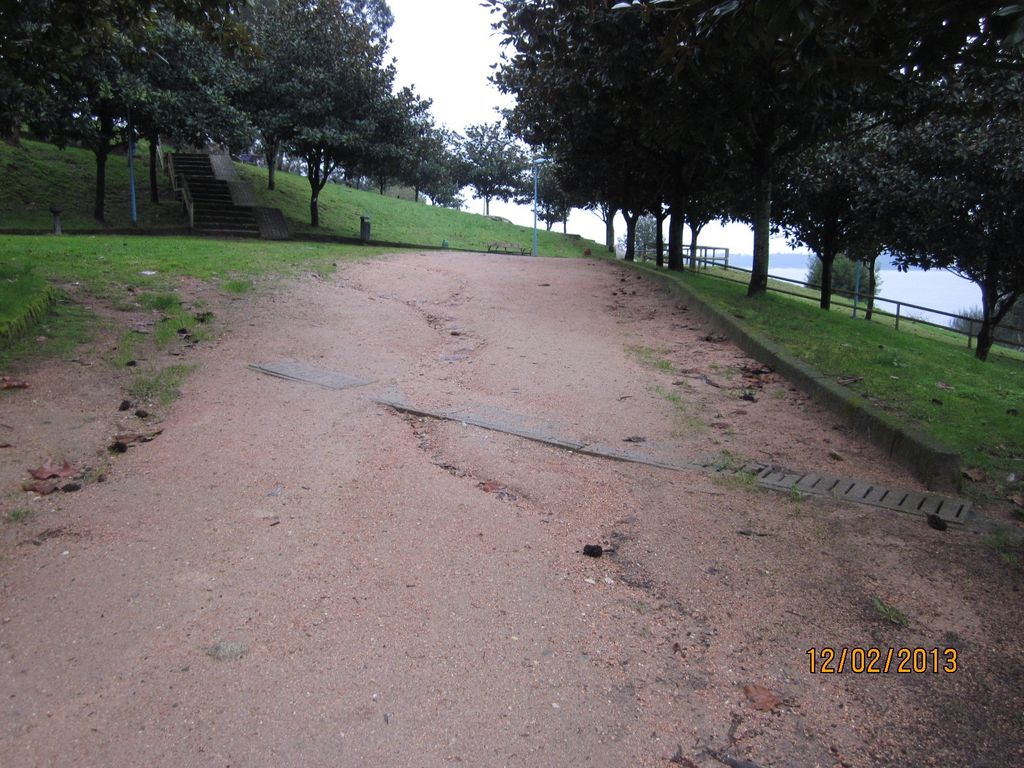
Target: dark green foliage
(495,164)
(844,276)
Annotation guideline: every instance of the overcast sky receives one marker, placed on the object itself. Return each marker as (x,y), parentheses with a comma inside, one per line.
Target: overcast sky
(446,49)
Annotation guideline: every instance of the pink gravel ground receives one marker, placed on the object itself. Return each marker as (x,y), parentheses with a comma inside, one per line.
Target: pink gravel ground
(393,612)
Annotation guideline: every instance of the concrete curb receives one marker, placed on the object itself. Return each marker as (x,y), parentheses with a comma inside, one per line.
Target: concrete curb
(933,463)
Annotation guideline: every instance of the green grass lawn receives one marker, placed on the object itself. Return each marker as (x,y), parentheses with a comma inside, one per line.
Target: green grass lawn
(110,265)
(38,175)
(974,407)
(883,313)
(398,221)
(24,297)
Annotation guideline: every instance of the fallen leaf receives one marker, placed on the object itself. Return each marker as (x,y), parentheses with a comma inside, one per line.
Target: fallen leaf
(762,698)
(136,437)
(490,486)
(943,385)
(6,382)
(634,439)
(1018,500)
(974,474)
(848,380)
(49,469)
(42,487)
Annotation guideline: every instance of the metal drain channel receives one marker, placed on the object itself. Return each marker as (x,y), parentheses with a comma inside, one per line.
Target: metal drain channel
(774,478)
(288,369)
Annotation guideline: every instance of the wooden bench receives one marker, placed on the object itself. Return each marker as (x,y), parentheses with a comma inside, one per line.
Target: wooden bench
(507,248)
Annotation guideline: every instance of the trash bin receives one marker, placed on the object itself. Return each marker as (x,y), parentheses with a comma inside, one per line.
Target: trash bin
(444,243)
(364,228)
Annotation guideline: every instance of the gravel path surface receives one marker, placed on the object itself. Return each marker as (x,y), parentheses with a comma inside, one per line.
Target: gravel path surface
(295,576)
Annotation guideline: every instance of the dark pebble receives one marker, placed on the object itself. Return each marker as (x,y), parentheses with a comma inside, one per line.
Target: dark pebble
(124,406)
(593,550)
(936,522)
(71,487)
(130,364)
(118,447)
(142,413)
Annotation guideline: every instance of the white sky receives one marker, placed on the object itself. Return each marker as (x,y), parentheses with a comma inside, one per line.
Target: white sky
(446,48)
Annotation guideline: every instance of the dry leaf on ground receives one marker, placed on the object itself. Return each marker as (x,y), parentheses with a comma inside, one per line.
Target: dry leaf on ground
(762,698)
(49,469)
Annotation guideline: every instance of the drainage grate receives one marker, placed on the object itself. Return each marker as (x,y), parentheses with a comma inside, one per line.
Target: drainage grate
(288,369)
(871,494)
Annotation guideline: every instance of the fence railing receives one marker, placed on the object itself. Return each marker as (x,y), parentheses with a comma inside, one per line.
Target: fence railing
(968,326)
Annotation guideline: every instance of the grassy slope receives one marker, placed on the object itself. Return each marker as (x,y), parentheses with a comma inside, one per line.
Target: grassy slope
(37,176)
(399,221)
(24,297)
(937,386)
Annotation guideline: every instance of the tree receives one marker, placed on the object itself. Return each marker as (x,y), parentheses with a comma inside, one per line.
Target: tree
(439,171)
(90,107)
(495,161)
(191,101)
(785,72)
(585,79)
(1010,331)
(45,43)
(954,184)
(824,201)
(400,120)
(644,238)
(320,85)
(844,276)
(553,202)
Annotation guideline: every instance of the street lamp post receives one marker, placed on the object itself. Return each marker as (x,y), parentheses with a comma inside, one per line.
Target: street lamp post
(537,163)
(131,170)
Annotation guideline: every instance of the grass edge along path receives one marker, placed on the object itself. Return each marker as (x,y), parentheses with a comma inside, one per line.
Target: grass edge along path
(24,298)
(924,385)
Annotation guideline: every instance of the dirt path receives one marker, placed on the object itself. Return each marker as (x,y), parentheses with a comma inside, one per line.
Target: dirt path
(405,592)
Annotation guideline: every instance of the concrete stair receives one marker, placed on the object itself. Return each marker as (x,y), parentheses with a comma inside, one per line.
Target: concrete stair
(213,208)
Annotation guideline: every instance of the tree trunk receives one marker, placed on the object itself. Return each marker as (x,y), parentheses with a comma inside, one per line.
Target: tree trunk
(415,194)
(675,238)
(565,226)
(631,219)
(992,314)
(314,209)
(154,172)
(872,287)
(14,137)
(609,229)
(270,152)
(487,206)
(101,183)
(828,260)
(383,185)
(660,238)
(762,223)
(694,234)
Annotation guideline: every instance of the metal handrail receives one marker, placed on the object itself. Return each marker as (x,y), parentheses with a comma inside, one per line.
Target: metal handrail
(897,315)
(187,202)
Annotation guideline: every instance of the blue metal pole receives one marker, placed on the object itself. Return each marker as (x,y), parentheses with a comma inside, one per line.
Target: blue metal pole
(131,169)
(536,174)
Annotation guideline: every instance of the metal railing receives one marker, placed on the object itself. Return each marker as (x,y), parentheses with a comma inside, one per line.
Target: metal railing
(187,202)
(860,303)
